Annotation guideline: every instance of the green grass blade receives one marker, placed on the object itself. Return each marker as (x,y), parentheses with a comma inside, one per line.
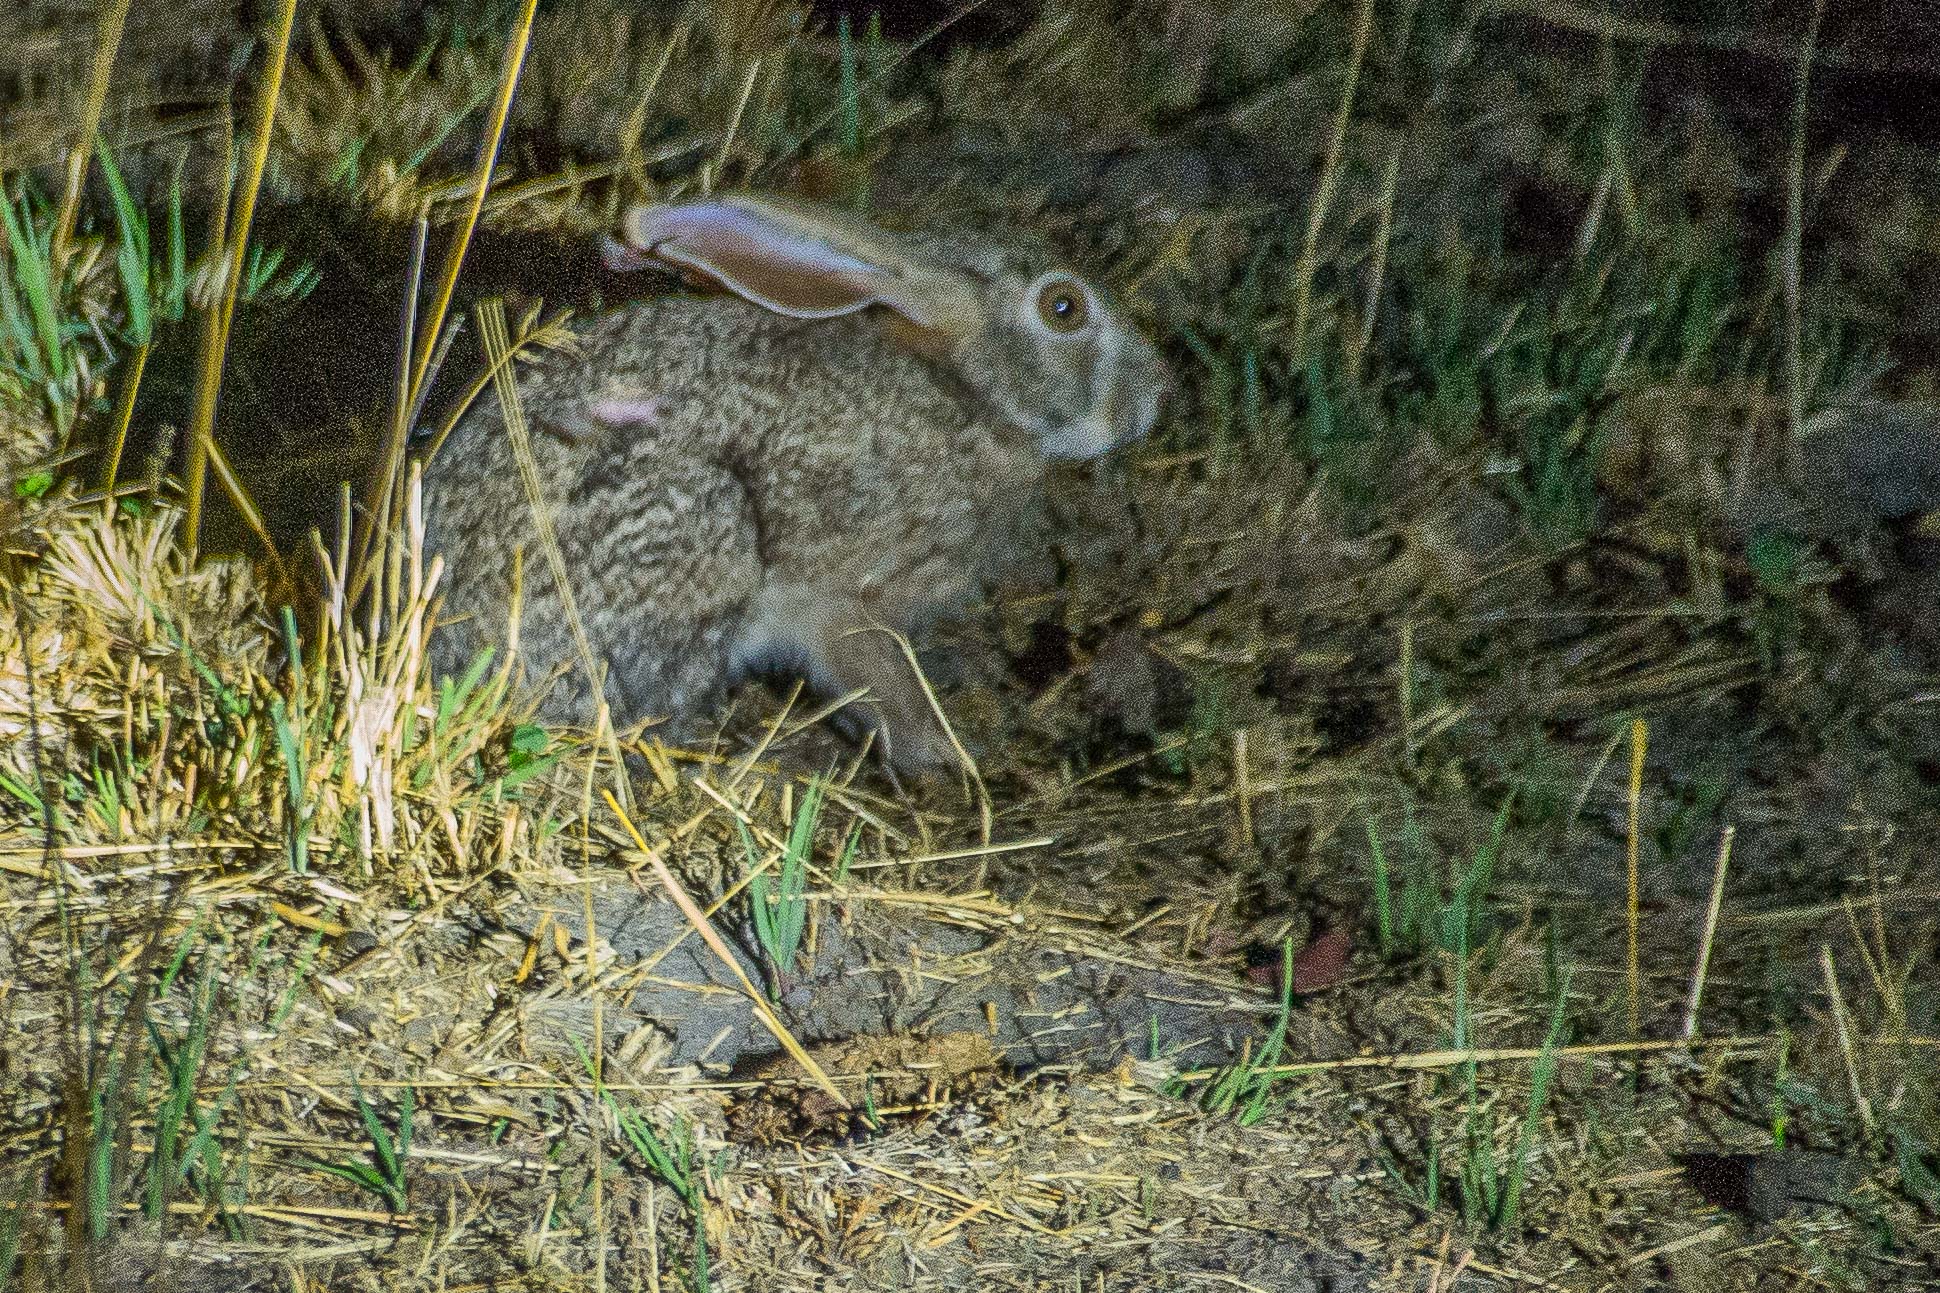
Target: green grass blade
(851,106)
(1542,1082)
(131,253)
(1383,890)
(33,275)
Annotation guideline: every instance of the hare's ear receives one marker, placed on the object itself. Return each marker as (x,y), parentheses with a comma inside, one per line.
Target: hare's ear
(805,261)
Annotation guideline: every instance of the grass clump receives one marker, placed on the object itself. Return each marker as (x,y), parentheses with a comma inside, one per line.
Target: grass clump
(776,900)
(383,1174)
(1429,911)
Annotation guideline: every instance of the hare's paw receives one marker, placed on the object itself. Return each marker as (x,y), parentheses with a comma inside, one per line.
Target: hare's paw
(914,744)
(897,705)
(837,647)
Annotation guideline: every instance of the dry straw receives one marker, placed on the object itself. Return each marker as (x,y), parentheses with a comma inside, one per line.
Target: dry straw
(217,318)
(1633,978)
(1710,932)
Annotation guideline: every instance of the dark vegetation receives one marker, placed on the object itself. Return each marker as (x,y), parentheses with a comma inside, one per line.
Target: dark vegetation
(1507,680)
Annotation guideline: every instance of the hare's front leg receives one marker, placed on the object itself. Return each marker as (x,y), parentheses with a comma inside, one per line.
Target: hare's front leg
(834,643)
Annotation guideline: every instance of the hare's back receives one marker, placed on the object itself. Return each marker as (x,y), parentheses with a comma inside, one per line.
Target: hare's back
(863,457)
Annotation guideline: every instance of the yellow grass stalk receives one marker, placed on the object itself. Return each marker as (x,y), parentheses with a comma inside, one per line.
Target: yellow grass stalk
(1517,1054)
(419,350)
(734,124)
(1842,1024)
(1243,775)
(1818,911)
(1401,1060)
(1589,782)
(1887,987)
(1303,274)
(498,347)
(114,19)
(385,487)
(1710,932)
(1377,264)
(124,416)
(746,764)
(966,766)
(596,1127)
(1792,267)
(481,180)
(552,333)
(636,121)
(1441,1279)
(1633,978)
(252,515)
(215,332)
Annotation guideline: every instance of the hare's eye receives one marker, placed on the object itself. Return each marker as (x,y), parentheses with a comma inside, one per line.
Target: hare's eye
(1061,304)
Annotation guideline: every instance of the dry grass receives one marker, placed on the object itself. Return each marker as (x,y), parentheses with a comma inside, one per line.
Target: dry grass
(323,973)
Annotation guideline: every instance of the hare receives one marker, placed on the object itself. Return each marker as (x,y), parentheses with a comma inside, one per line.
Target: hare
(762,482)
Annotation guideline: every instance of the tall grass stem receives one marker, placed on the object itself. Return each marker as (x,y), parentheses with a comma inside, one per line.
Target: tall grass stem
(1328,184)
(1633,976)
(215,332)
(1792,280)
(113,21)
(1710,932)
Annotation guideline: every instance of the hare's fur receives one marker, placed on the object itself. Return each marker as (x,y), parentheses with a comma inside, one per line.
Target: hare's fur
(738,491)
(733,528)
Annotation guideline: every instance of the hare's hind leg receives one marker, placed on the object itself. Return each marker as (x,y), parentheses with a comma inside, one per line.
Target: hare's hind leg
(838,647)
(661,555)
(664,556)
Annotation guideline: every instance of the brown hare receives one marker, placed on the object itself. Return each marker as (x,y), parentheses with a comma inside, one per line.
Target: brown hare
(762,482)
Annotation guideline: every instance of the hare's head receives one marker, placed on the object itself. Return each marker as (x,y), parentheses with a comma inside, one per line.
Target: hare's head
(1044,348)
